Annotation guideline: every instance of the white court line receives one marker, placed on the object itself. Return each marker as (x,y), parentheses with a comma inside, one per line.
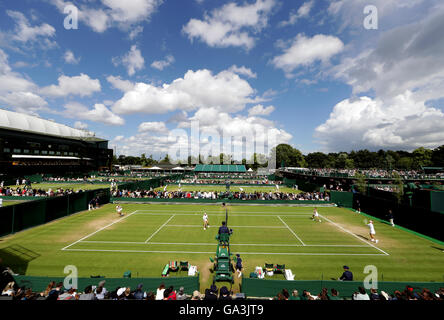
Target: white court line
(196,226)
(291,230)
(244,253)
(354,235)
(99,230)
(300,215)
(160,228)
(233,244)
(233,212)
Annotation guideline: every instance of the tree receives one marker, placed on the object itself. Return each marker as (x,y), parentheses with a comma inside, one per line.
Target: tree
(422,157)
(438,157)
(361,183)
(288,156)
(399,186)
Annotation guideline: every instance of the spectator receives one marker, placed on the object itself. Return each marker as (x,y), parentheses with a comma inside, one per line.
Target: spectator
(224,294)
(374,295)
(160,291)
(9,289)
(334,295)
(101,291)
(181,295)
(88,294)
(139,294)
(54,293)
(294,295)
(211,293)
(361,294)
(68,295)
(196,295)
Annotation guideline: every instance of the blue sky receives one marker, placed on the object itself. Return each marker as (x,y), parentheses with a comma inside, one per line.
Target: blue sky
(307,73)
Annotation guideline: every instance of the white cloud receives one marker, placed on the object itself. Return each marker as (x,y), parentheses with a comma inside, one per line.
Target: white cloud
(16,91)
(162,64)
(99,113)
(135,32)
(81,85)
(401,123)
(197,89)
(305,51)
(24,32)
(125,15)
(158,127)
(231,25)
(302,12)
(80,125)
(70,57)
(243,71)
(132,61)
(387,69)
(122,85)
(260,110)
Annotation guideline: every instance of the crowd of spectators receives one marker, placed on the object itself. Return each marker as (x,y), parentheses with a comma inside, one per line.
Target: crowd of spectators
(370,173)
(361,294)
(276,195)
(33,192)
(56,291)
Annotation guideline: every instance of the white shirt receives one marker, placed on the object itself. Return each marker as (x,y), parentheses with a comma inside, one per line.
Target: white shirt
(372,228)
(159,294)
(205,217)
(315,213)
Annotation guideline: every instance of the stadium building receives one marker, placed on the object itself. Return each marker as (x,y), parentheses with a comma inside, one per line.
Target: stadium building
(30,145)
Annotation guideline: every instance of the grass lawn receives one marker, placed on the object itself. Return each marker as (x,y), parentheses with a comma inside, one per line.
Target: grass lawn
(149,235)
(10,203)
(233,188)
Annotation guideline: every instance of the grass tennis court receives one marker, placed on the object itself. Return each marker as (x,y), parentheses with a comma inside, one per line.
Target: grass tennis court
(149,235)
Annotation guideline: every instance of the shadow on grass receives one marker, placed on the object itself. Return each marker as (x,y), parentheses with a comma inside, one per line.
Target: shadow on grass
(17,258)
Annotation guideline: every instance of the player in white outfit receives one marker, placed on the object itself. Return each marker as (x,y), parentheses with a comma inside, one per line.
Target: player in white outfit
(315,215)
(372,231)
(119,210)
(205,221)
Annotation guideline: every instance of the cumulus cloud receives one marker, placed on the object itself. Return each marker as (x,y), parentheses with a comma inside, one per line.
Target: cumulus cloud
(158,127)
(126,15)
(81,85)
(260,110)
(24,32)
(231,25)
(399,123)
(197,89)
(132,61)
(305,51)
(80,125)
(70,58)
(162,64)
(243,71)
(99,113)
(303,12)
(16,91)
(387,69)
(118,83)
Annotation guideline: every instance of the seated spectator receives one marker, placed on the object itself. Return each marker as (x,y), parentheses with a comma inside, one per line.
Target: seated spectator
(211,293)
(334,295)
(196,295)
(294,295)
(181,295)
(139,294)
(374,295)
(361,294)
(224,294)
(88,294)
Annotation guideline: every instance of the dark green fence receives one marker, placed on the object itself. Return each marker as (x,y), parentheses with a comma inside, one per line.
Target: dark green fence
(342,199)
(29,214)
(270,288)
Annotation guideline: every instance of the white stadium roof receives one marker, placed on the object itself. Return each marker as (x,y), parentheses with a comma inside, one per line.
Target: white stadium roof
(24,122)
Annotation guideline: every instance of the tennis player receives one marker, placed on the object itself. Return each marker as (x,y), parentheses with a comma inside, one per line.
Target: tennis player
(372,231)
(206,223)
